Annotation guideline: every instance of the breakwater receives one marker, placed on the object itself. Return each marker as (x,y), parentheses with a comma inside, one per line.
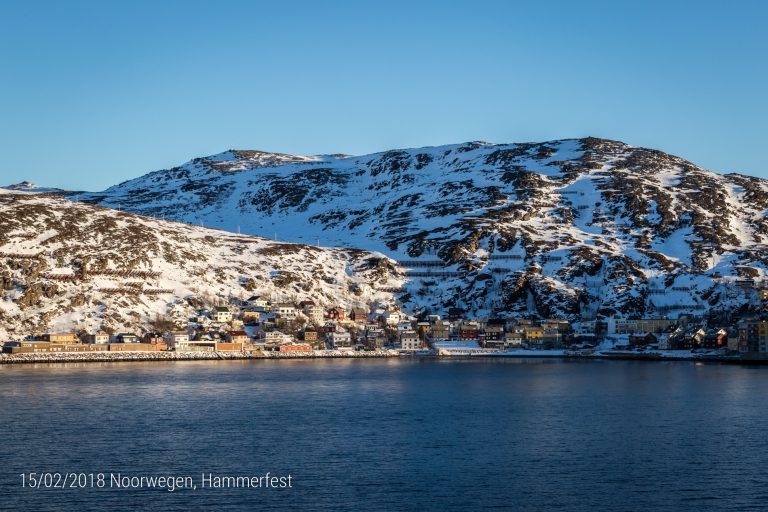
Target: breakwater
(105,357)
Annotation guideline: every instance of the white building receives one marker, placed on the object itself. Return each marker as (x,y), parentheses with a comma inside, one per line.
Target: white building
(409,340)
(392,317)
(404,326)
(277,337)
(315,313)
(620,325)
(340,340)
(285,310)
(99,338)
(221,314)
(258,303)
(177,340)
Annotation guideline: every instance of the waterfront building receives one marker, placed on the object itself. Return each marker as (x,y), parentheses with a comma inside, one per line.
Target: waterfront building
(177,340)
(98,338)
(753,335)
(468,330)
(409,340)
(340,340)
(127,337)
(66,337)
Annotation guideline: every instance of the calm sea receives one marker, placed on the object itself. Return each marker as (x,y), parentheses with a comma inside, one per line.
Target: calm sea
(392,434)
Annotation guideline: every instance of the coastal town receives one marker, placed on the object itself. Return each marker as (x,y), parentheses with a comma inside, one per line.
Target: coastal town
(258,327)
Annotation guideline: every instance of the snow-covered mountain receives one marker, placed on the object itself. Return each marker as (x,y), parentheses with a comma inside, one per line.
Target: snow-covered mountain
(68,266)
(581,226)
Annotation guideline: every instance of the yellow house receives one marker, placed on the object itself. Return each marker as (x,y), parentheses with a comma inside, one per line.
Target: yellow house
(533,333)
(251,316)
(60,337)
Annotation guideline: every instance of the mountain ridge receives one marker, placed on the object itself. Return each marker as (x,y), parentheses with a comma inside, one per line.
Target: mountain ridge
(573,227)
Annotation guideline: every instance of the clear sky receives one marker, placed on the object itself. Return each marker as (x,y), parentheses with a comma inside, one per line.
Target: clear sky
(94,93)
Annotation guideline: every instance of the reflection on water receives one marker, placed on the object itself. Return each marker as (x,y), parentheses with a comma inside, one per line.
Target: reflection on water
(395,434)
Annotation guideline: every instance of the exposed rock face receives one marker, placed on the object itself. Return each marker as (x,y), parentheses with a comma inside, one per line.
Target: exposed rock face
(6,281)
(35,292)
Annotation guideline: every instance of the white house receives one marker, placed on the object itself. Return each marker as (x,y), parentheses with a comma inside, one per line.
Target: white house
(99,338)
(620,325)
(285,310)
(221,314)
(340,340)
(409,340)
(258,303)
(513,338)
(392,317)
(404,326)
(177,340)
(277,337)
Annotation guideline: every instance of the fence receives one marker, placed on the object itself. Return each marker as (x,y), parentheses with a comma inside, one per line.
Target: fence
(434,274)
(125,273)
(21,256)
(392,290)
(123,290)
(71,278)
(424,263)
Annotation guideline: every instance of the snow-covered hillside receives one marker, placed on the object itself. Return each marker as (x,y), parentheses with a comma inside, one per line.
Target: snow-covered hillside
(69,266)
(582,226)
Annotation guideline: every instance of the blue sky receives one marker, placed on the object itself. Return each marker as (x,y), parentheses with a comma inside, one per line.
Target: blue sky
(94,93)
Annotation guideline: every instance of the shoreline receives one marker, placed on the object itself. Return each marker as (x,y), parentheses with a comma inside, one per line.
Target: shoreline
(109,357)
(141,356)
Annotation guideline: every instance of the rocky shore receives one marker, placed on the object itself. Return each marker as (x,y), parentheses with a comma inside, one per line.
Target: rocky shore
(105,357)
(102,357)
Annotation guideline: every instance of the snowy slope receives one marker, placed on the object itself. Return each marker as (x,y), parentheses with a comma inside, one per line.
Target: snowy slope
(58,260)
(580,226)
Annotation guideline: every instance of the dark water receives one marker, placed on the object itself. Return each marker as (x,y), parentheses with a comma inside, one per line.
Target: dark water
(393,434)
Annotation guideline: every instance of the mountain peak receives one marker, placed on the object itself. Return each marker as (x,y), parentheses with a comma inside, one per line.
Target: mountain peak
(572,227)
(24,185)
(27,186)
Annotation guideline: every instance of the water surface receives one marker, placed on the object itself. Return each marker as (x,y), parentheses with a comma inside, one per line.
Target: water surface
(414,434)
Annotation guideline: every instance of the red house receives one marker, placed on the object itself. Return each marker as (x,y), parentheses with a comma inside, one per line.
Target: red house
(153,338)
(468,332)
